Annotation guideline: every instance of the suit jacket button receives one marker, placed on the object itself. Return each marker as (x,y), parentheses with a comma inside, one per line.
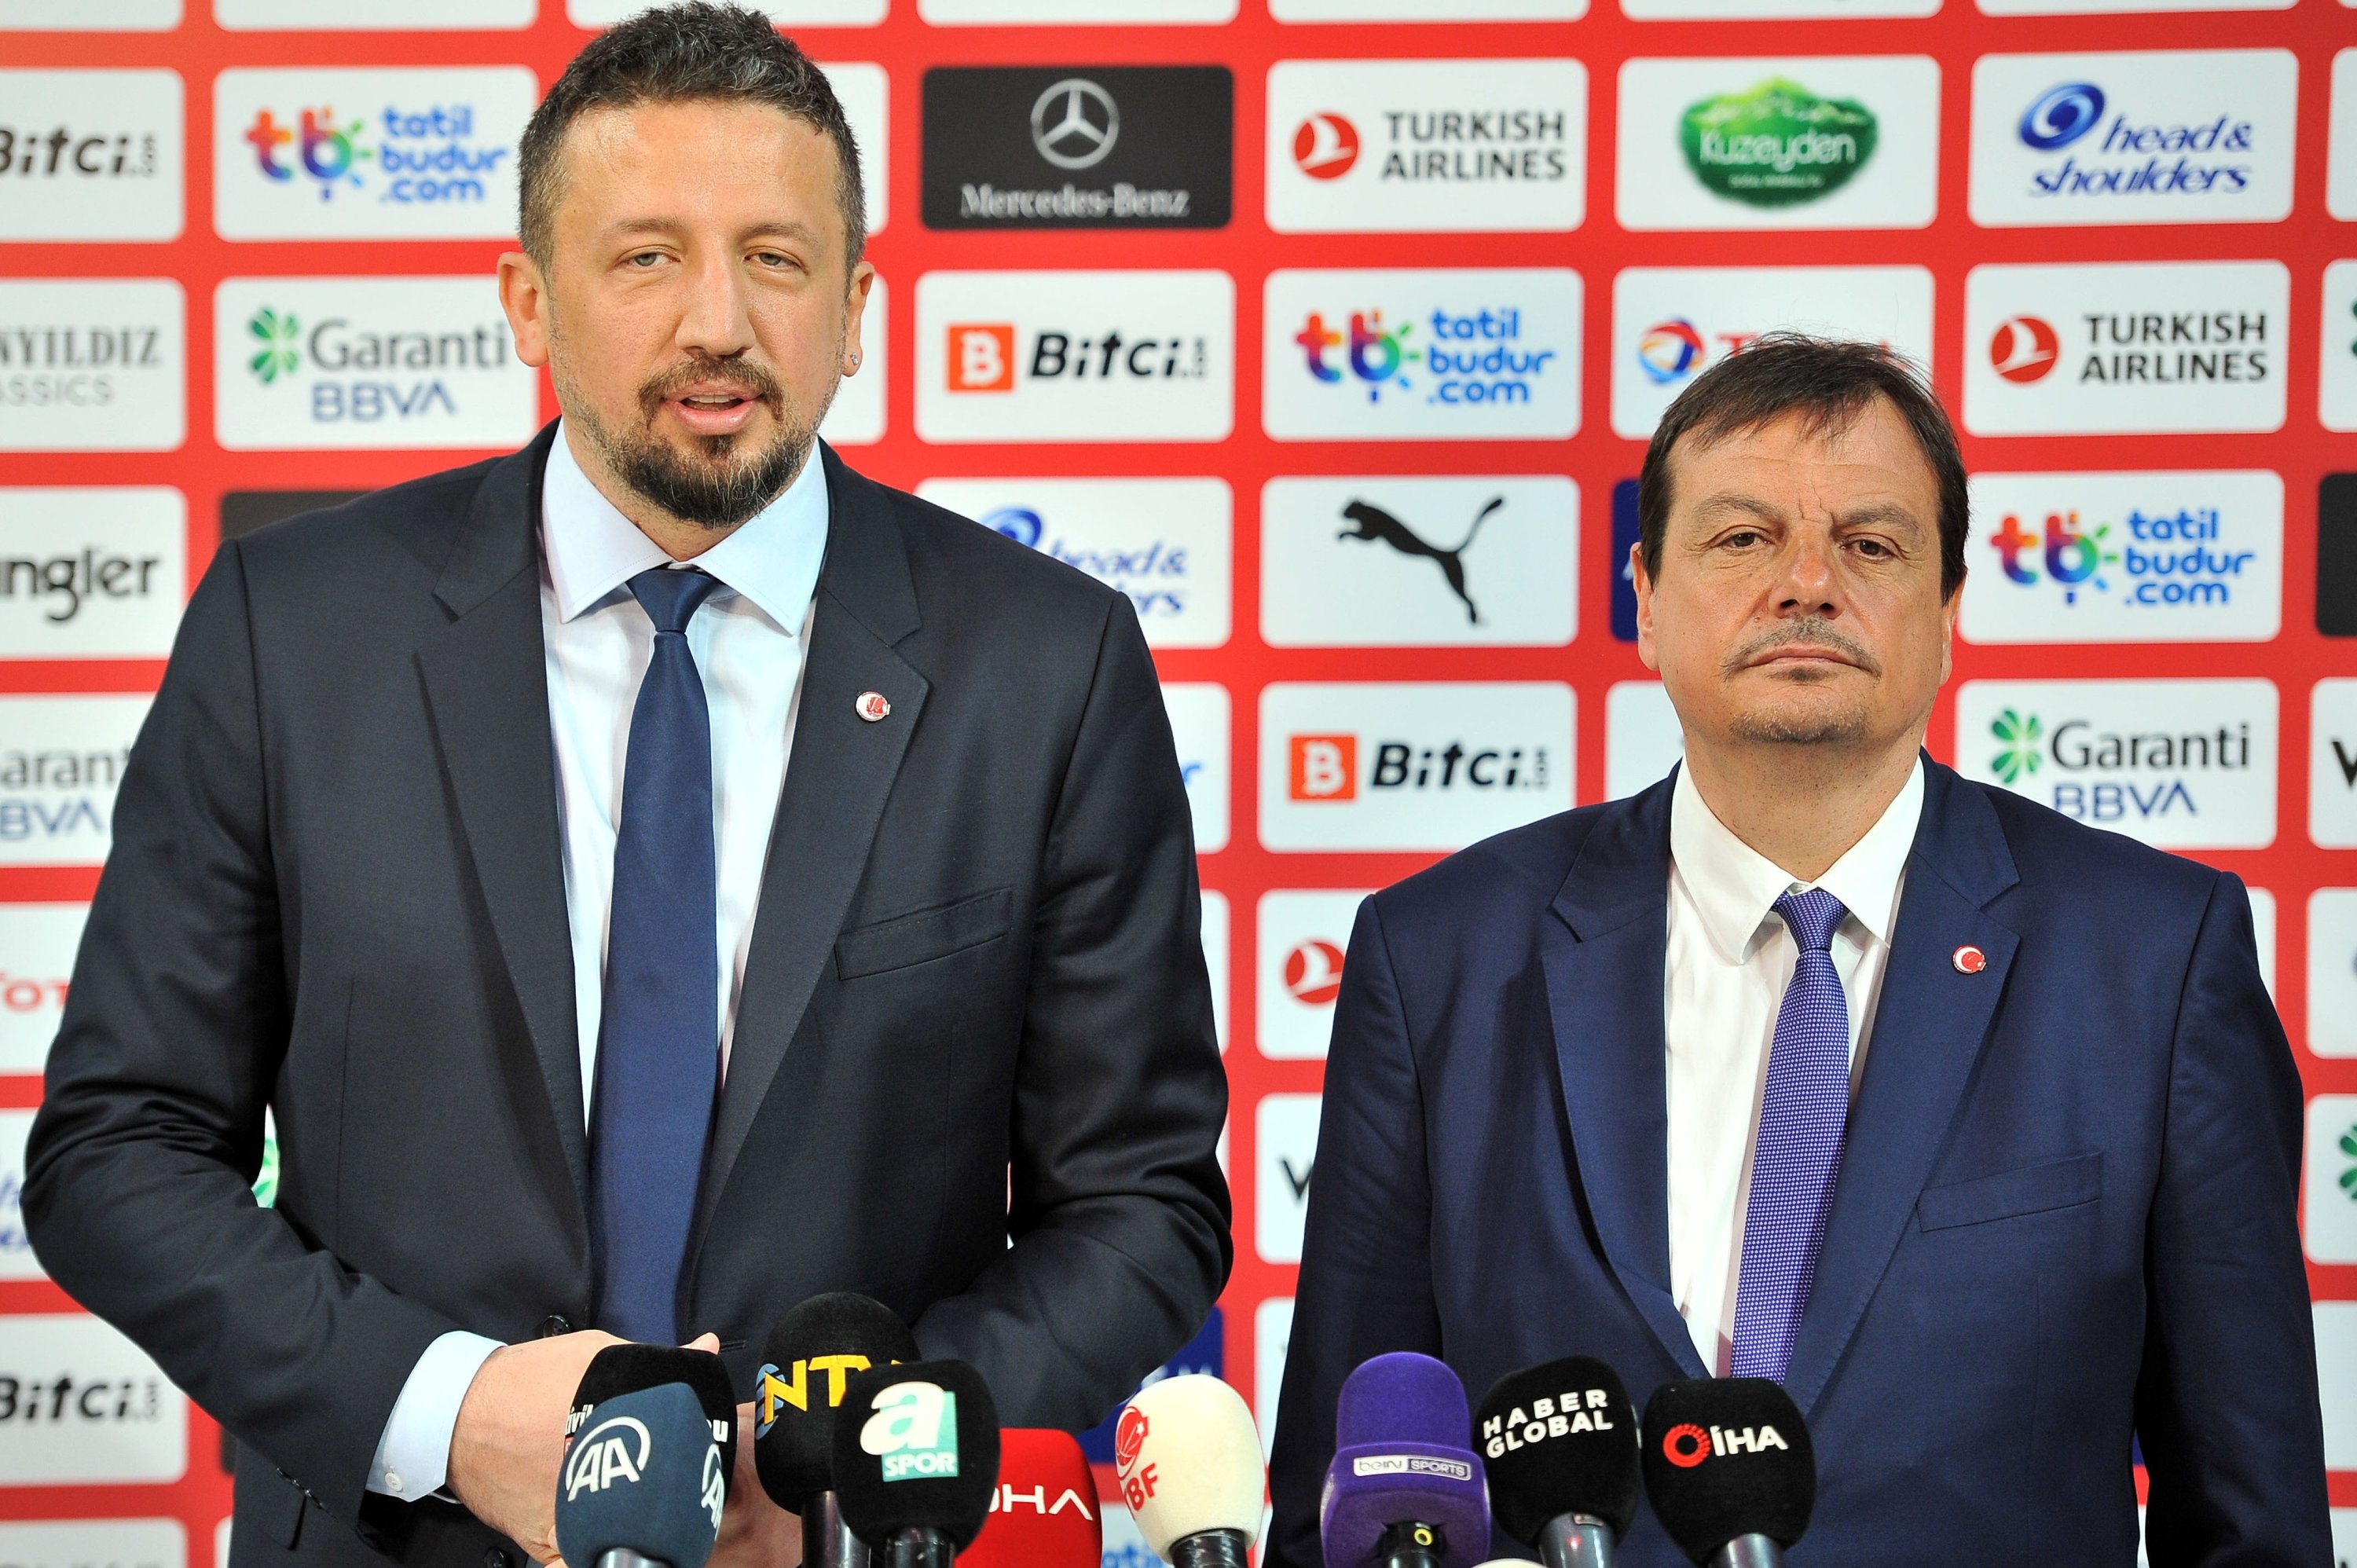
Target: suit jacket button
(498,1557)
(554,1324)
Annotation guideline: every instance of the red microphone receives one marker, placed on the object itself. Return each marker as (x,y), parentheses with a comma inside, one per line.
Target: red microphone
(1045,1514)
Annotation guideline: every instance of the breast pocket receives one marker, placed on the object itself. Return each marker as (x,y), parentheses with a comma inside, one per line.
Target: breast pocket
(2027,1189)
(906,940)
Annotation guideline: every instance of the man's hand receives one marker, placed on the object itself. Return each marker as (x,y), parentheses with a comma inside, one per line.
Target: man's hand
(509,1443)
(755,1532)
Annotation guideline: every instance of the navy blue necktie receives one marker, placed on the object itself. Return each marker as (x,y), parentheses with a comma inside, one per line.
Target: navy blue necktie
(658,1040)
(1803,1117)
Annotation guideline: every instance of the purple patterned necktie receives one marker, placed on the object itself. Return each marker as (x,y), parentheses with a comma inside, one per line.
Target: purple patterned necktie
(1802,1117)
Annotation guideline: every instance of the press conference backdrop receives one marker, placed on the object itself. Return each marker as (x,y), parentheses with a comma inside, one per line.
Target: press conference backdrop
(1331,331)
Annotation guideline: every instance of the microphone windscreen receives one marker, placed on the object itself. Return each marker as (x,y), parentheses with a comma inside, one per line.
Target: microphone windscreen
(1187,1458)
(626,1368)
(1045,1513)
(1558,1439)
(807,1362)
(643,1475)
(1403,1455)
(1727,1456)
(916,1447)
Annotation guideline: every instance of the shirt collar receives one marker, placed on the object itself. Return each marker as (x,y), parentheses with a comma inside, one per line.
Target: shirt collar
(1735,887)
(592,550)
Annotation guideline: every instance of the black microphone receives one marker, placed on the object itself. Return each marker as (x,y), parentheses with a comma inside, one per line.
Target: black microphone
(643,1483)
(807,1364)
(627,1368)
(1731,1470)
(1559,1442)
(916,1461)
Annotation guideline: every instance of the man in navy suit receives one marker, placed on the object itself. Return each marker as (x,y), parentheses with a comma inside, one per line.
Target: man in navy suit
(1973,1126)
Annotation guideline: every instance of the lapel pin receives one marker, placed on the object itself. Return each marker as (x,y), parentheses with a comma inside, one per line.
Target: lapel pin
(872,706)
(1969,960)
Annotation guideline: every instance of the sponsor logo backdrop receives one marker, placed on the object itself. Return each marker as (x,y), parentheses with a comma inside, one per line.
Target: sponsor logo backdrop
(1329,331)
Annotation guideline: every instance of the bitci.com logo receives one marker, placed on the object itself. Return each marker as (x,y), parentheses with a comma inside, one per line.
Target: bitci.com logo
(89,154)
(81,1405)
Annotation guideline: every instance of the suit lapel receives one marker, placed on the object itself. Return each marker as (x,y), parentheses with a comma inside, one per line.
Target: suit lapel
(1929,1026)
(1604,971)
(837,781)
(487,686)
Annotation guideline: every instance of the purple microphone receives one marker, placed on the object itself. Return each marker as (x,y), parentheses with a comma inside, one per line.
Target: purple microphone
(1405,1489)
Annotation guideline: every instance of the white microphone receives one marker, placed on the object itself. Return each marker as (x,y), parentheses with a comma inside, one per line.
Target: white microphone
(1189,1460)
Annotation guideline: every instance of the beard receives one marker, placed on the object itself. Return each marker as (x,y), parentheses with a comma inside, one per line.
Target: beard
(712,481)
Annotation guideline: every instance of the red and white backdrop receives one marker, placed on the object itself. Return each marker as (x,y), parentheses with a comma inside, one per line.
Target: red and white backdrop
(1331,331)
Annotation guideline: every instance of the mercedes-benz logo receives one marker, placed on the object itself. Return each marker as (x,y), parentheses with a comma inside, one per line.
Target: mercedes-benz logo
(1075,124)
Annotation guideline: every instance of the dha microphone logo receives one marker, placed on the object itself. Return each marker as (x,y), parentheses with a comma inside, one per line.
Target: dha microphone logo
(2024,349)
(1687,1445)
(1326,146)
(605,1454)
(913,1431)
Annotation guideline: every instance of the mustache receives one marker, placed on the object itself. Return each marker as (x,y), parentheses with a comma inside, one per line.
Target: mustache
(1814,630)
(659,389)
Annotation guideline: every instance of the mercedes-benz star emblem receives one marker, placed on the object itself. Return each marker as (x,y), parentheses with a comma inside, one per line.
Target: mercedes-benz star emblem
(1075,124)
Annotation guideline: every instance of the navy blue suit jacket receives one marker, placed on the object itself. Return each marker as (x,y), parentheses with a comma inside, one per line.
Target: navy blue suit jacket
(2065,1214)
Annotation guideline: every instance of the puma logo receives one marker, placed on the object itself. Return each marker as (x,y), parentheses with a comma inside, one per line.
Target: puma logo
(1374,522)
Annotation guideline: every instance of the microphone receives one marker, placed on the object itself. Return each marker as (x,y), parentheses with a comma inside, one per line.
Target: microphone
(643,1485)
(1044,1513)
(1560,1444)
(916,1461)
(1188,1458)
(1729,1468)
(807,1363)
(627,1368)
(1405,1488)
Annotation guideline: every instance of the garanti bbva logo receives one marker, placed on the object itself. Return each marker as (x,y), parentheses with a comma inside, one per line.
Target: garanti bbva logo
(1777,145)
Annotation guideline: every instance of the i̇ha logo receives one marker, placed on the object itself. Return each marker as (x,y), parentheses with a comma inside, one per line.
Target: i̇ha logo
(1326,146)
(1074,124)
(2024,349)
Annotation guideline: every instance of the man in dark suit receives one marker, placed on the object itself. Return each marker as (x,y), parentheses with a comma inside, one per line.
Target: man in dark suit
(463,836)
(1973,1126)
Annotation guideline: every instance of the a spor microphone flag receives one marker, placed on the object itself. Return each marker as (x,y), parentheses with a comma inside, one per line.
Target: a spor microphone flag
(1559,1439)
(1045,1513)
(916,1448)
(807,1364)
(1727,1457)
(1403,1468)
(625,1368)
(1189,1460)
(643,1475)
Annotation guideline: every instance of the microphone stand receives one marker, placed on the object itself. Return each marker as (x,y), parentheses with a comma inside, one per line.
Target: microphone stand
(827,1541)
(1750,1551)
(1579,1540)
(915,1547)
(1210,1549)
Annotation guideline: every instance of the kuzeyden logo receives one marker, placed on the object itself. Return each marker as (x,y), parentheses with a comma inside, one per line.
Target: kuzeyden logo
(92,365)
(368,154)
(2125,347)
(1401,355)
(2164,557)
(1778,143)
(61,761)
(1426,146)
(2177,764)
(95,572)
(1416,766)
(1109,356)
(1166,544)
(2154,136)
(411,362)
(89,154)
(81,1405)
(1078,147)
(1670,324)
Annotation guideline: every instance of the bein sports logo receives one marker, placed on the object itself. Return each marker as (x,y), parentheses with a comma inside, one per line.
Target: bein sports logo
(2167,559)
(1326,146)
(1687,1445)
(913,1431)
(1472,358)
(2024,349)
(428,155)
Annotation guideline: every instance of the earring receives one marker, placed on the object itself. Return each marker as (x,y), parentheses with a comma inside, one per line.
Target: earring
(855,360)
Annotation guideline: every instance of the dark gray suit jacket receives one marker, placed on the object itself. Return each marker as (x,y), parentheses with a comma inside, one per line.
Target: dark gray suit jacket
(976,1008)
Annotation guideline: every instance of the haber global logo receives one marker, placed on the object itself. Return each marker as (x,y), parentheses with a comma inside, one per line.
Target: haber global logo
(81,1405)
(1414,765)
(2148,557)
(2177,764)
(89,154)
(1822,143)
(95,572)
(1670,324)
(1390,562)
(2149,136)
(408,362)
(1303,936)
(1426,146)
(368,154)
(2125,347)
(1401,355)
(91,365)
(61,759)
(1166,544)
(1107,356)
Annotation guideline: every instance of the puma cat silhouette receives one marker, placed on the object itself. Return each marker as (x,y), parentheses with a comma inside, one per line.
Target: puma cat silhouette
(1375,523)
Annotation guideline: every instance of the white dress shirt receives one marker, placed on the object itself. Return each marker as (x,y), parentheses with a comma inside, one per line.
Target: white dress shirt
(750,639)
(1729,959)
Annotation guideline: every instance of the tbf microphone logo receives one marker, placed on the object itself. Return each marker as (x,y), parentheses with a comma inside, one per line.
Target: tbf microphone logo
(614,1450)
(1687,1445)
(913,1431)
(1577,1410)
(1137,1481)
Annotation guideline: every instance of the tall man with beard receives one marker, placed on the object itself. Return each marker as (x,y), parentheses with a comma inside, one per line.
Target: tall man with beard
(654,878)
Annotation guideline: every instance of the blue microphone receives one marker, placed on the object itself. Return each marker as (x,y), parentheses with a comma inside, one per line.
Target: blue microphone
(643,1485)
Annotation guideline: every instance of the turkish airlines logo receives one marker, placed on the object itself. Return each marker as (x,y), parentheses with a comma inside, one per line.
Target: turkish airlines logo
(1313,972)
(1326,146)
(1323,767)
(2024,349)
(982,357)
(1075,124)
